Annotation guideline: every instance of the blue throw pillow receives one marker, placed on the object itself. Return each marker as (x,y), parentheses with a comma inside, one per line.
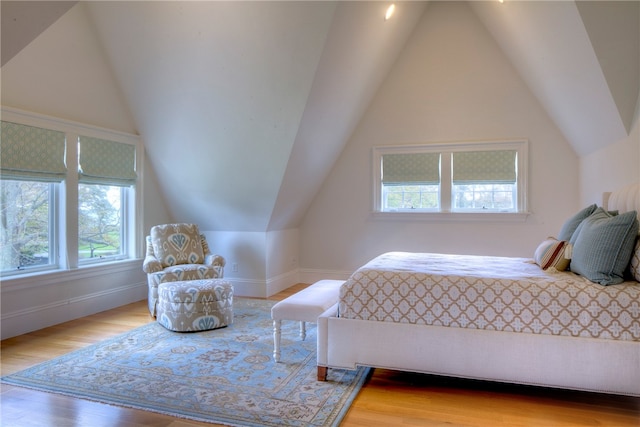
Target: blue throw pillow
(569,227)
(602,246)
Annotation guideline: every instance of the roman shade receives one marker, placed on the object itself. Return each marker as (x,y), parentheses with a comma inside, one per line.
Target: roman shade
(106,162)
(31,153)
(414,168)
(478,167)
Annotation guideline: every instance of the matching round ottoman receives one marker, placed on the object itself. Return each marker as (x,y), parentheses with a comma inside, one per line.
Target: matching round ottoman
(195,305)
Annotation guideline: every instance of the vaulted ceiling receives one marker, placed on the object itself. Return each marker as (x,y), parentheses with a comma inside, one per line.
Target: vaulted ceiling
(245,106)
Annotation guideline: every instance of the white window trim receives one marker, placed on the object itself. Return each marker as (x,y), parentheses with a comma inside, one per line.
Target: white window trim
(66,222)
(521,145)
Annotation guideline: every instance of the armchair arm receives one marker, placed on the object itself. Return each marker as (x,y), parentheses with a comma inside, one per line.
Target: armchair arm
(151,265)
(215,260)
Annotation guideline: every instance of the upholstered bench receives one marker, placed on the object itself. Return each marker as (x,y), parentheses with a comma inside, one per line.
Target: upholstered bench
(195,305)
(303,306)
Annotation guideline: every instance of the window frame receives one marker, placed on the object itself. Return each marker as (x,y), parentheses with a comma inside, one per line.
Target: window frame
(446,212)
(65,217)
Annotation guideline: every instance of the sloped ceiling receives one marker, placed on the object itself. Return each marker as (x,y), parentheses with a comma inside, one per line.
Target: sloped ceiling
(244,106)
(64,72)
(217,90)
(614,32)
(581,59)
(23,21)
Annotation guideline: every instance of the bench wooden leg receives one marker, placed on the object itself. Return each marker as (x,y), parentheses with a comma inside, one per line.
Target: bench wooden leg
(277,325)
(322,373)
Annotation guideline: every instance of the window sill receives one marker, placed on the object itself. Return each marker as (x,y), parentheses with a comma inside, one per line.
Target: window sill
(452,216)
(47,277)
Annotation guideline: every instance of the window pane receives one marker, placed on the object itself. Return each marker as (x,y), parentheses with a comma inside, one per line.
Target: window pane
(99,221)
(25,234)
(398,197)
(484,196)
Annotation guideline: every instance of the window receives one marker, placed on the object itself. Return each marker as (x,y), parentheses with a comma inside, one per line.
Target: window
(485,180)
(48,175)
(106,173)
(482,177)
(33,165)
(410,181)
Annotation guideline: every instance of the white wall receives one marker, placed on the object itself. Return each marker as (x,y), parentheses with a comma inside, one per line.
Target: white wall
(451,83)
(612,167)
(153,201)
(281,260)
(258,264)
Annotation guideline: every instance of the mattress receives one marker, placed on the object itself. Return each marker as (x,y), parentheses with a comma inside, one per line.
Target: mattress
(492,293)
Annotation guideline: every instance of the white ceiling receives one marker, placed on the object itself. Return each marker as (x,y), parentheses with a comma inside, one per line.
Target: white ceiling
(245,106)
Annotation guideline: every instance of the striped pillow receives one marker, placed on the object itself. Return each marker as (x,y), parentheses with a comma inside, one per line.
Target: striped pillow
(553,253)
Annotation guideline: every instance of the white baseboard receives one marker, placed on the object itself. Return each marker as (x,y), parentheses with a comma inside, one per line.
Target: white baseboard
(37,317)
(282,282)
(254,288)
(251,288)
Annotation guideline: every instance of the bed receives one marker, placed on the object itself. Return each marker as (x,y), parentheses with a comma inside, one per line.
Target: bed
(499,318)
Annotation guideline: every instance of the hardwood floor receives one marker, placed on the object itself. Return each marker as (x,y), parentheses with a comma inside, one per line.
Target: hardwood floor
(389,398)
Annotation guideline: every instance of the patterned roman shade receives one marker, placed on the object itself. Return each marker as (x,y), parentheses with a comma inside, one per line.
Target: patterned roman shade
(106,162)
(32,153)
(415,168)
(477,167)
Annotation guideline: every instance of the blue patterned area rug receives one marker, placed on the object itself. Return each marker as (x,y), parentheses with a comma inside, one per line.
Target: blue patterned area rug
(225,376)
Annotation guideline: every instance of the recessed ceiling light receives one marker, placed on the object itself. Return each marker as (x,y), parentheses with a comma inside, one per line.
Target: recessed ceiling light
(390,11)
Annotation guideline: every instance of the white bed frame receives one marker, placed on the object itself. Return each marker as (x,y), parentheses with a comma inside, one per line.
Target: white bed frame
(598,365)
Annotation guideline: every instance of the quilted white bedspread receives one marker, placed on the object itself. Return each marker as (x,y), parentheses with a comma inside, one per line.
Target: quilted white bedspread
(494,293)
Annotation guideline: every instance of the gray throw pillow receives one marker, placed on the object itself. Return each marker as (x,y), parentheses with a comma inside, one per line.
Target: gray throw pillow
(569,227)
(603,245)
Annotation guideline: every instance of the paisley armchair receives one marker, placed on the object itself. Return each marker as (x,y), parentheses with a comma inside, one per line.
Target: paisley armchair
(178,252)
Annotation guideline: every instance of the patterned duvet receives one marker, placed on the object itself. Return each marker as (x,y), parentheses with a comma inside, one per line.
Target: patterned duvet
(496,293)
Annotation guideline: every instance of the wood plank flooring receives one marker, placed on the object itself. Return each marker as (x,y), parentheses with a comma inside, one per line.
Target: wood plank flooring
(389,398)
